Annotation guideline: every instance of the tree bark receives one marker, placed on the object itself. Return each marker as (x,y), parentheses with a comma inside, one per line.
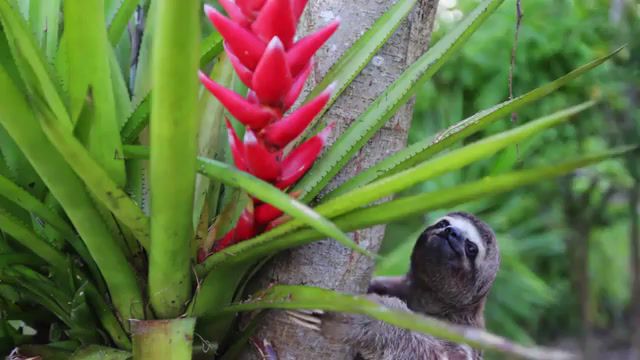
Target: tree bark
(326,263)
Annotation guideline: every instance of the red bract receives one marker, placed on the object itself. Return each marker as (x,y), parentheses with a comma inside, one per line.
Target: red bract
(259,40)
(280,133)
(276,20)
(272,78)
(234,12)
(249,114)
(296,87)
(302,51)
(302,158)
(237,148)
(246,45)
(260,161)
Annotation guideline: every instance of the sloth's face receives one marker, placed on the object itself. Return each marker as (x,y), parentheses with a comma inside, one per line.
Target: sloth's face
(456,257)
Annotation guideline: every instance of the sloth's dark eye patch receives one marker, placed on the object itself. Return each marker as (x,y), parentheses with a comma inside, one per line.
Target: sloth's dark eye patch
(441,224)
(471,249)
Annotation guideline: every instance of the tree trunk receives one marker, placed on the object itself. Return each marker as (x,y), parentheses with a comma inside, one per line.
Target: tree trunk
(326,263)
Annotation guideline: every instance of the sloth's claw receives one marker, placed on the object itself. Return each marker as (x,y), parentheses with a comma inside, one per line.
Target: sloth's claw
(309,319)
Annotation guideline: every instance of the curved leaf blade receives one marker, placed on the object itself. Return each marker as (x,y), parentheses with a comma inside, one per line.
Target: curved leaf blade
(265,192)
(121,20)
(139,118)
(273,240)
(27,238)
(396,95)
(354,59)
(97,179)
(18,119)
(401,208)
(34,69)
(24,199)
(92,101)
(422,150)
(312,298)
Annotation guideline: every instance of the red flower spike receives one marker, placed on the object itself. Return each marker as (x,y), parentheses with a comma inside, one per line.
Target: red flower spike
(280,133)
(302,158)
(276,19)
(277,222)
(234,12)
(247,47)
(249,114)
(266,213)
(302,51)
(250,7)
(298,8)
(245,75)
(252,97)
(260,161)
(202,255)
(237,148)
(244,230)
(272,79)
(296,87)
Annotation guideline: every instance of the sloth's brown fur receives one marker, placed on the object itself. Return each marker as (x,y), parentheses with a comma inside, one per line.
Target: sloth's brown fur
(440,283)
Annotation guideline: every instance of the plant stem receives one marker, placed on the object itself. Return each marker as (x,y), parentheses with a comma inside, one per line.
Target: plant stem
(174,126)
(162,339)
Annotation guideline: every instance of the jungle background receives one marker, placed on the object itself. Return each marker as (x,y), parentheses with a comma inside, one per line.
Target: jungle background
(567,274)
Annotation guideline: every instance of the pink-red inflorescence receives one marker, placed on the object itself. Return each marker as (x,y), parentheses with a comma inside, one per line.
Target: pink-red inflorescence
(259,38)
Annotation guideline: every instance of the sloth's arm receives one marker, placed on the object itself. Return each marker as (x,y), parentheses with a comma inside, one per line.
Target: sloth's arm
(394,286)
(374,339)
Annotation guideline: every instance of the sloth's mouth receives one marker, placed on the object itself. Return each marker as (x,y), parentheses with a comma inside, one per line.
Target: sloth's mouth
(451,243)
(453,247)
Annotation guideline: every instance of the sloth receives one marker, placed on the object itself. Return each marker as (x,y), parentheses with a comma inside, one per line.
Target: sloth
(453,265)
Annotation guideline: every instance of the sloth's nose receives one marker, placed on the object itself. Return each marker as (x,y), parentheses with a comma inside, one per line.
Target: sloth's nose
(453,233)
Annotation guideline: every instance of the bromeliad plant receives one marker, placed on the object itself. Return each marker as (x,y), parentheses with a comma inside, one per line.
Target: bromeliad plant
(105,254)
(259,41)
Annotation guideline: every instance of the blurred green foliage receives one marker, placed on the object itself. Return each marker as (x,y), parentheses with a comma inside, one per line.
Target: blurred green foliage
(533,297)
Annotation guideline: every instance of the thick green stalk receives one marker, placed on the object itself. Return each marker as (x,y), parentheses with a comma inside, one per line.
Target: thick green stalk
(174,126)
(163,339)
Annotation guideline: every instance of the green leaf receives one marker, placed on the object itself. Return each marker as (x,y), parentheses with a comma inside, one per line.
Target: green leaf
(120,21)
(18,259)
(139,118)
(83,325)
(354,59)
(313,298)
(423,150)
(93,105)
(386,105)
(421,203)
(27,238)
(137,121)
(45,352)
(266,192)
(212,133)
(18,119)
(44,17)
(173,138)
(271,241)
(21,197)
(210,48)
(28,57)
(410,206)
(96,179)
(95,352)
(40,289)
